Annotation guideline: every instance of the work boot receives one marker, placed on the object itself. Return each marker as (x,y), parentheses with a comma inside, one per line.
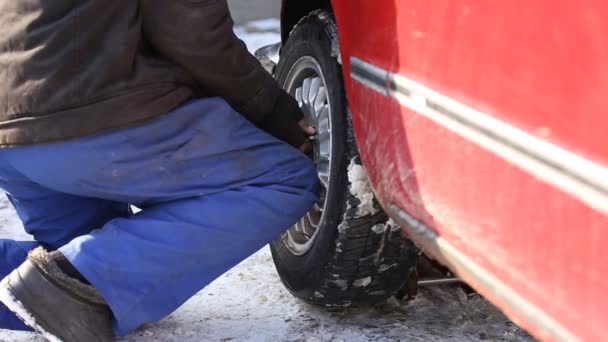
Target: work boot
(57,305)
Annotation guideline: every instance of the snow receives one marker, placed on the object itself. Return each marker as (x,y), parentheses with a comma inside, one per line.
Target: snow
(361,189)
(270,25)
(249,303)
(363,282)
(379,228)
(259,33)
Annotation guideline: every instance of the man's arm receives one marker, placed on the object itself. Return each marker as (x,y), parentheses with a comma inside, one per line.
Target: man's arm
(198,35)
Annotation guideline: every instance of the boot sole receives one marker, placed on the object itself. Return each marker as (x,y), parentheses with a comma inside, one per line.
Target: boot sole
(22,311)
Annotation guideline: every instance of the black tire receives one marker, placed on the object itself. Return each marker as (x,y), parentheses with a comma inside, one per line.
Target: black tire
(356,258)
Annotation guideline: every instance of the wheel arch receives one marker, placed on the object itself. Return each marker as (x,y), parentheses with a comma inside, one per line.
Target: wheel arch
(294,10)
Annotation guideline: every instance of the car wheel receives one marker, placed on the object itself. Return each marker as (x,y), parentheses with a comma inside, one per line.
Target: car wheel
(345,251)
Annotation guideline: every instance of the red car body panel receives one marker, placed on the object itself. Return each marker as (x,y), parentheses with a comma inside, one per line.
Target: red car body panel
(537,66)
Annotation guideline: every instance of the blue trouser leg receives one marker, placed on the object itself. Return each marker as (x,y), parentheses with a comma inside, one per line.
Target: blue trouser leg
(213,189)
(12,254)
(53,218)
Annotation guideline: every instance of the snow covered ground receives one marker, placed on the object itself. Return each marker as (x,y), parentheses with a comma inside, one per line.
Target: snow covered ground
(249,303)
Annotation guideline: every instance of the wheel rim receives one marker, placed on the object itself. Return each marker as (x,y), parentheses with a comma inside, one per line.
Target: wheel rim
(305,81)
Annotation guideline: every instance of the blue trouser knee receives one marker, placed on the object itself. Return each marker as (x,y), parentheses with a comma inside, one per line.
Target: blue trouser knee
(212,187)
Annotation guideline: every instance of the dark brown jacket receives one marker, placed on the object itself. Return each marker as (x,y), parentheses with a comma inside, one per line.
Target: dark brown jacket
(70,68)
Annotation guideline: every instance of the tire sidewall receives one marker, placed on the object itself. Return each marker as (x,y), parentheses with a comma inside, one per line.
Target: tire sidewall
(302,274)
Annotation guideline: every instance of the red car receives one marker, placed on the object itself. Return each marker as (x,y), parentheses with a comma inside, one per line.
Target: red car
(483,127)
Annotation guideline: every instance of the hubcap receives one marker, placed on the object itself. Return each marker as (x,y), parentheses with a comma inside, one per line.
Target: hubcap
(306,83)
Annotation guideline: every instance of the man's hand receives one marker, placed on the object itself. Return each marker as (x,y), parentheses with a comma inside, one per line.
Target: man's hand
(287,123)
(306,147)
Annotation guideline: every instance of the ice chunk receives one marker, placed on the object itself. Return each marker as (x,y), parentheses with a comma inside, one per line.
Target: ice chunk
(361,189)
(363,282)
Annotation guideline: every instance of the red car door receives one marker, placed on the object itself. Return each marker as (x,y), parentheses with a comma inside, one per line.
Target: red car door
(483,125)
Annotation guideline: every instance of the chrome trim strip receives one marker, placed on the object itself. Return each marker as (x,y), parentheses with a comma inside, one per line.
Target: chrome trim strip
(374,78)
(552,164)
(447,253)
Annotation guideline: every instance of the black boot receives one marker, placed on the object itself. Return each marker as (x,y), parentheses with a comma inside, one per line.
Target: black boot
(50,296)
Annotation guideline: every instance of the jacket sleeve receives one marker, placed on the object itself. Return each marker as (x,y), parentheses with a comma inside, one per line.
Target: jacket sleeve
(198,35)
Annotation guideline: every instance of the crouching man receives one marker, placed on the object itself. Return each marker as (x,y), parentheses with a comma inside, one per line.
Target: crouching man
(106,104)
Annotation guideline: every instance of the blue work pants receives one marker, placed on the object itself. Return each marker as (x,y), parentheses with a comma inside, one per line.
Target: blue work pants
(212,187)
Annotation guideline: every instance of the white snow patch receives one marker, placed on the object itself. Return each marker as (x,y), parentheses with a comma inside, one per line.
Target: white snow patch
(361,189)
(394,225)
(260,33)
(342,227)
(385,267)
(343,284)
(363,282)
(379,228)
(18,308)
(271,24)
